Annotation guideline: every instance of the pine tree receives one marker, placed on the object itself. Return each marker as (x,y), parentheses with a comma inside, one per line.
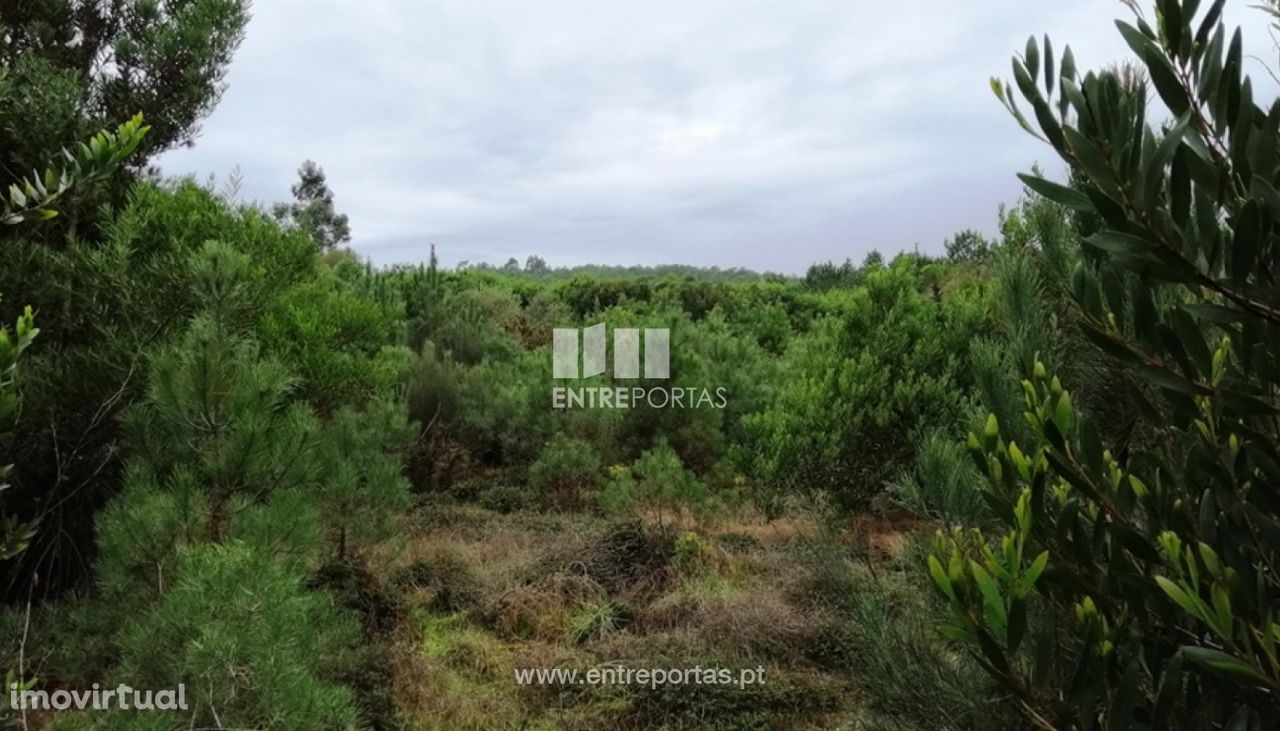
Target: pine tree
(219,449)
(232,485)
(362,484)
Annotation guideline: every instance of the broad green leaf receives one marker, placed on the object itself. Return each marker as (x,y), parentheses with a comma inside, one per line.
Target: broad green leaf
(991,595)
(940,577)
(1049,72)
(1224,663)
(1166,82)
(1032,57)
(1244,249)
(1210,20)
(1180,597)
(1121,243)
(1033,572)
(1168,693)
(1068,197)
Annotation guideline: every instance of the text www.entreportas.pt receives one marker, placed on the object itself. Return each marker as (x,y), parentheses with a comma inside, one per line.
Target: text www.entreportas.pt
(652,677)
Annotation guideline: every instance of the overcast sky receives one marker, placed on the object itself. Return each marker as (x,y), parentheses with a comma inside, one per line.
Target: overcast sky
(731,132)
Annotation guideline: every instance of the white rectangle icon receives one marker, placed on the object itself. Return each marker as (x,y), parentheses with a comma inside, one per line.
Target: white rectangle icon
(564,353)
(657,353)
(626,353)
(593,350)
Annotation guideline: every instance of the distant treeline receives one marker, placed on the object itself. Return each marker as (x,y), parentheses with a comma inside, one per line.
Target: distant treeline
(535,267)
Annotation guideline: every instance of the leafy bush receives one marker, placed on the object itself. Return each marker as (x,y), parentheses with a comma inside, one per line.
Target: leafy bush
(857,389)
(503,409)
(1162,550)
(334,340)
(14,535)
(479,325)
(656,486)
(33,198)
(567,469)
(968,246)
(693,554)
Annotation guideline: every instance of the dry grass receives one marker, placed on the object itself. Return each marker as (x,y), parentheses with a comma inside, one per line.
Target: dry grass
(768,532)
(541,609)
(576,592)
(884,533)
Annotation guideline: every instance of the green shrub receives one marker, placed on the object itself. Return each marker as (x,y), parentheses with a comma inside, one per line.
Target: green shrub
(215,446)
(857,389)
(693,555)
(115,296)
(656,486)
(504,413)
(1156,554)
(475,325)
(567,469)
(334,340)
(14,534)
(231,484)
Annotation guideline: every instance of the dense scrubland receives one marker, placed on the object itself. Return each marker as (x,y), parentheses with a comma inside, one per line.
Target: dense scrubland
(1033,482)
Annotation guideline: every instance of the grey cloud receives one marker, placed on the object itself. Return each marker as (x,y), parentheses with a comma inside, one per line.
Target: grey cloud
(756,134)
